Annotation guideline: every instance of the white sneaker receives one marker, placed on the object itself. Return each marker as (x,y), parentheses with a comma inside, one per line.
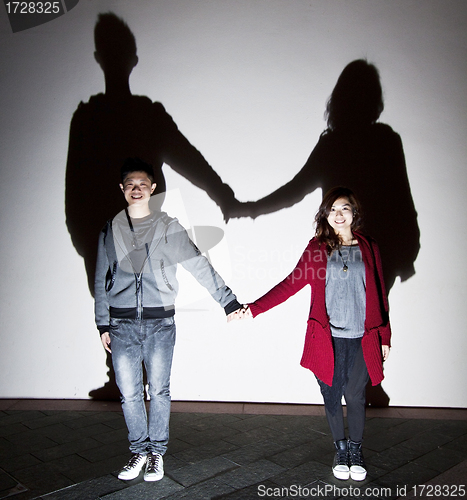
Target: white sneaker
(356,462)
(132,469)
(340,466)
(154,467)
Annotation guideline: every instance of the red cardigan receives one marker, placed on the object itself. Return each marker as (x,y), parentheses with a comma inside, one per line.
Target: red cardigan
(318,355)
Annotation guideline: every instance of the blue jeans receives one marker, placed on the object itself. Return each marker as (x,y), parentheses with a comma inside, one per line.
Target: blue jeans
(148,341)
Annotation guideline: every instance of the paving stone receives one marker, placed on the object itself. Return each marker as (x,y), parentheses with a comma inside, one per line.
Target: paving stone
(176,445)
(426,442)
(253,452)
(146,491)
(47,420)
(62,434)
(440,459)
(108,450)
(299,454)
(303,474)
(251,474)
(394,457)
(88,490)
(12,463)
(66,449)
(254,422)
(12,429)
(408,474)
(208,450)
(200,471)
(27,442)
(212,488)
(199,438)
(458,444)
(19,416)
(111,436)
(250,492)
(98,418)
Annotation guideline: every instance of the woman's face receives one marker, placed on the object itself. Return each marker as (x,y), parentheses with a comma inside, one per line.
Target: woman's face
(340,217)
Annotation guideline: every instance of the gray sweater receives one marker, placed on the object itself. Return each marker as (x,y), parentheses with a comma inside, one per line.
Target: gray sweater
(346,292)
(136,270)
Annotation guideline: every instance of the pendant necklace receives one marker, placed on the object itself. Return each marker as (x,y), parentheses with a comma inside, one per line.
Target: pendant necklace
(345,267)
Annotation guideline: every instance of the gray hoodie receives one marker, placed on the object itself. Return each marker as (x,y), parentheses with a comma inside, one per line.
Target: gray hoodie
(136,269)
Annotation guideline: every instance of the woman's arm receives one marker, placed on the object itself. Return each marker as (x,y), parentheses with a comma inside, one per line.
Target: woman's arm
(295,281)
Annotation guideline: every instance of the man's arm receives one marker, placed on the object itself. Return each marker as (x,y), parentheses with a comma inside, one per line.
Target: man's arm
(189,256)
(101,303)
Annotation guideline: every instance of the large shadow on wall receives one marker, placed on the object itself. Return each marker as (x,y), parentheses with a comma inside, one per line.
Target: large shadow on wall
(358,152)
(105,131)
(116,125)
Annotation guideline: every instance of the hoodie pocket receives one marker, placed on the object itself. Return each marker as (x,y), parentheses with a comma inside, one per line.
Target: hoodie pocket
(164,276)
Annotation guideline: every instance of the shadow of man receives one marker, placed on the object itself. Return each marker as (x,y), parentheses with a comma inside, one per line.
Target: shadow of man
(105,131)
(366,156)
(117,125)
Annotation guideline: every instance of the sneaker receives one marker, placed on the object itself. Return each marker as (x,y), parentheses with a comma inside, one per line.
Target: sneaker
(356,461)
(154,467)
(340,466)
(132,469)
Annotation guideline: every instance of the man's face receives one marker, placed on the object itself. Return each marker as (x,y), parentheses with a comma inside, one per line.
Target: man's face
(137,188)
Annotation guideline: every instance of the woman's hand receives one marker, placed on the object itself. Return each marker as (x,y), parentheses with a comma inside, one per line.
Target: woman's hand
(243,312)
(385,351)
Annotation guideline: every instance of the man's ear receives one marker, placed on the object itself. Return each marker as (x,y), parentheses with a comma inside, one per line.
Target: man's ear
(153,187)
(121,187)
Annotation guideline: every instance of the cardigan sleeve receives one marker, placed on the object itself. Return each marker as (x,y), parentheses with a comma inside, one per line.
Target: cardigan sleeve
(294,282)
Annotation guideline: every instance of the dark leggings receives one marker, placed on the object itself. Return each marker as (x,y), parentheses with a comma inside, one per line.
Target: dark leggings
(354,395)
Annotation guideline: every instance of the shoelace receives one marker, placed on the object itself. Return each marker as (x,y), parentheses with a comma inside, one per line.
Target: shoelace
(342,457)
(153,462)
(133,461)
(356,457)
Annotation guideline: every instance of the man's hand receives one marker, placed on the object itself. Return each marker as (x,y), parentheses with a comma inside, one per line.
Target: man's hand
(105,339)
(242,313)
(385,352)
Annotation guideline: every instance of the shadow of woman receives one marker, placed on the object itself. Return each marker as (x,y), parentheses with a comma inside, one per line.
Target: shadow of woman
(366,156)
(105,131)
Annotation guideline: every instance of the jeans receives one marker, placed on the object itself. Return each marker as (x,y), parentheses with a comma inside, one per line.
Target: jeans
(148,341)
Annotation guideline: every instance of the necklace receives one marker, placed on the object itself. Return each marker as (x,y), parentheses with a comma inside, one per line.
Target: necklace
(345,267)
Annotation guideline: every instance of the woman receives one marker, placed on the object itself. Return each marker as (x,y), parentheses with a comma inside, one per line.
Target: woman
(348,333)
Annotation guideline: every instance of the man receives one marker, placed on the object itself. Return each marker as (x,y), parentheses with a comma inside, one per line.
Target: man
(135,290)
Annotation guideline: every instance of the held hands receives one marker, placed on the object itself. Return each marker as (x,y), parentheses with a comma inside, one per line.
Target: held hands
(242,313)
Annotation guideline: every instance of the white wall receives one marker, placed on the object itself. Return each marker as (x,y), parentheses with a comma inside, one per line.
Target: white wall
(246,81)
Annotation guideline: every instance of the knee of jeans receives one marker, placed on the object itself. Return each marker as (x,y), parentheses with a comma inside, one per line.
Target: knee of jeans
(132,396)
(154,391)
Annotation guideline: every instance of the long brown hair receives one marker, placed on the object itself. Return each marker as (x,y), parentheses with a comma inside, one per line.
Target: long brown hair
(324,232)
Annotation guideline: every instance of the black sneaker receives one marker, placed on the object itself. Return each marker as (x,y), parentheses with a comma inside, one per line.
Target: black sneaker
(340,466)
(356,461)
(132,469)
(154,467)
